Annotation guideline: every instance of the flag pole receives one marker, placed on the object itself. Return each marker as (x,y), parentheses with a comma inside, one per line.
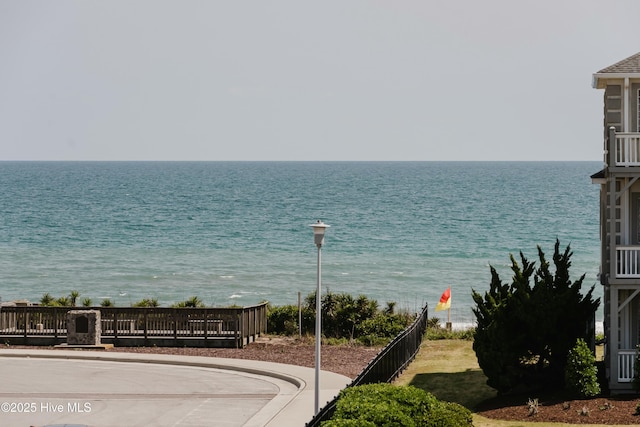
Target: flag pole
(445,304)
(449,311)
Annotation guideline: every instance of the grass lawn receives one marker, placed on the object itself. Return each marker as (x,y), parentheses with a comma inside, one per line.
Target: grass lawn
(449,370)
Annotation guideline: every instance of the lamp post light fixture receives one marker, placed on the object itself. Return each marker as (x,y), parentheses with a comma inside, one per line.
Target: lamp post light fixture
(319,229)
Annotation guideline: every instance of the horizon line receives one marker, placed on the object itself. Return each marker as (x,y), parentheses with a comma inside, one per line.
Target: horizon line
(288,161)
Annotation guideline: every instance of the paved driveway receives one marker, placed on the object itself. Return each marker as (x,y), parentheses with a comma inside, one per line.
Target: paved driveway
(127,390)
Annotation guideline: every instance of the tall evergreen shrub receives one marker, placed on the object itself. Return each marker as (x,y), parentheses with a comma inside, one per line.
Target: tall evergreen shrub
(525,330)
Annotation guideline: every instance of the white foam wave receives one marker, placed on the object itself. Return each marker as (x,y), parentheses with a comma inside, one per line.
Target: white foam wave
(462,326)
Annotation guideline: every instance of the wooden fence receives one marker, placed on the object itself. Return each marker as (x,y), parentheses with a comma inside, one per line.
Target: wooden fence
(137,326)
(387,365)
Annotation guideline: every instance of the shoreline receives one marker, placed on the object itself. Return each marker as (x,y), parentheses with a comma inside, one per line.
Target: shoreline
(463,326)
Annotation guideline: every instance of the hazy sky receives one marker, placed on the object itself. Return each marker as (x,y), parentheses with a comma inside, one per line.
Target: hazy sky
(301,80)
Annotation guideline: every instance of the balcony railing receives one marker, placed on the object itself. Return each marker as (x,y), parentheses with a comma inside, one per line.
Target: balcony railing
(627,149)
(628,262)
(626,362)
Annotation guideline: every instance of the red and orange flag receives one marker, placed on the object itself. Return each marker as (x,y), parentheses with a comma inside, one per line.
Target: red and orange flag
(445,300)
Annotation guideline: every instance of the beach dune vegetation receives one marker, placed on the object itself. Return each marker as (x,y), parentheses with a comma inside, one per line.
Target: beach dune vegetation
(106,303)
(147,302)
(343,317)
(63,301)
(193,302)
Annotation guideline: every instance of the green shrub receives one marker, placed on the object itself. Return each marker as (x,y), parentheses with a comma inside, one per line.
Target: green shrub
(283,320)
(342,313)
(347,423)
(384,325)
(449,414)
(526,328)
(343,317)
(383,404)
(403,406)
(581,375)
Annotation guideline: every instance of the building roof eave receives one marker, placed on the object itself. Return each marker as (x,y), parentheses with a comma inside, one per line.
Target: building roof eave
(599,177)
(628,67)
(599,79)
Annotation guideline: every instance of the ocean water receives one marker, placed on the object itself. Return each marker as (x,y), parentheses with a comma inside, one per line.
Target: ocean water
(238,232)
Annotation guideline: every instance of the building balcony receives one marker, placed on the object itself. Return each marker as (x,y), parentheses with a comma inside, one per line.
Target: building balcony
(627,149)
(628,262)
(626,365)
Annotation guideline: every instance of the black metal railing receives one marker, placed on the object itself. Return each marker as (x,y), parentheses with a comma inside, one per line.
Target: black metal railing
(387,365)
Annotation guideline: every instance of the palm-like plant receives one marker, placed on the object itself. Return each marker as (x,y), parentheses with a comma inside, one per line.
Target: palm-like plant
(63,302)
(193,302)
(73,297)
(47,300)
(146,302)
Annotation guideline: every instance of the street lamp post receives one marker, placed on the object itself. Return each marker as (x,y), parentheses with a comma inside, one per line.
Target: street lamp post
(318,237)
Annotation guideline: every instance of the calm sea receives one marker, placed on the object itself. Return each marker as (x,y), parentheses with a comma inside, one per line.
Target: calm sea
(238,232)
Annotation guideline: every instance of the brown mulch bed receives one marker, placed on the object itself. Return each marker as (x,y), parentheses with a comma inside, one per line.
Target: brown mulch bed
(348,360)
(560,408)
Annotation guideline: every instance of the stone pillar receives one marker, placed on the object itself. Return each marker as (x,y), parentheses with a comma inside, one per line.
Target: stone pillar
(83,327)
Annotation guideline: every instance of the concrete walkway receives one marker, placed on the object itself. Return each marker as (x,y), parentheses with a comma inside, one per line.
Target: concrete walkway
(103,389)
